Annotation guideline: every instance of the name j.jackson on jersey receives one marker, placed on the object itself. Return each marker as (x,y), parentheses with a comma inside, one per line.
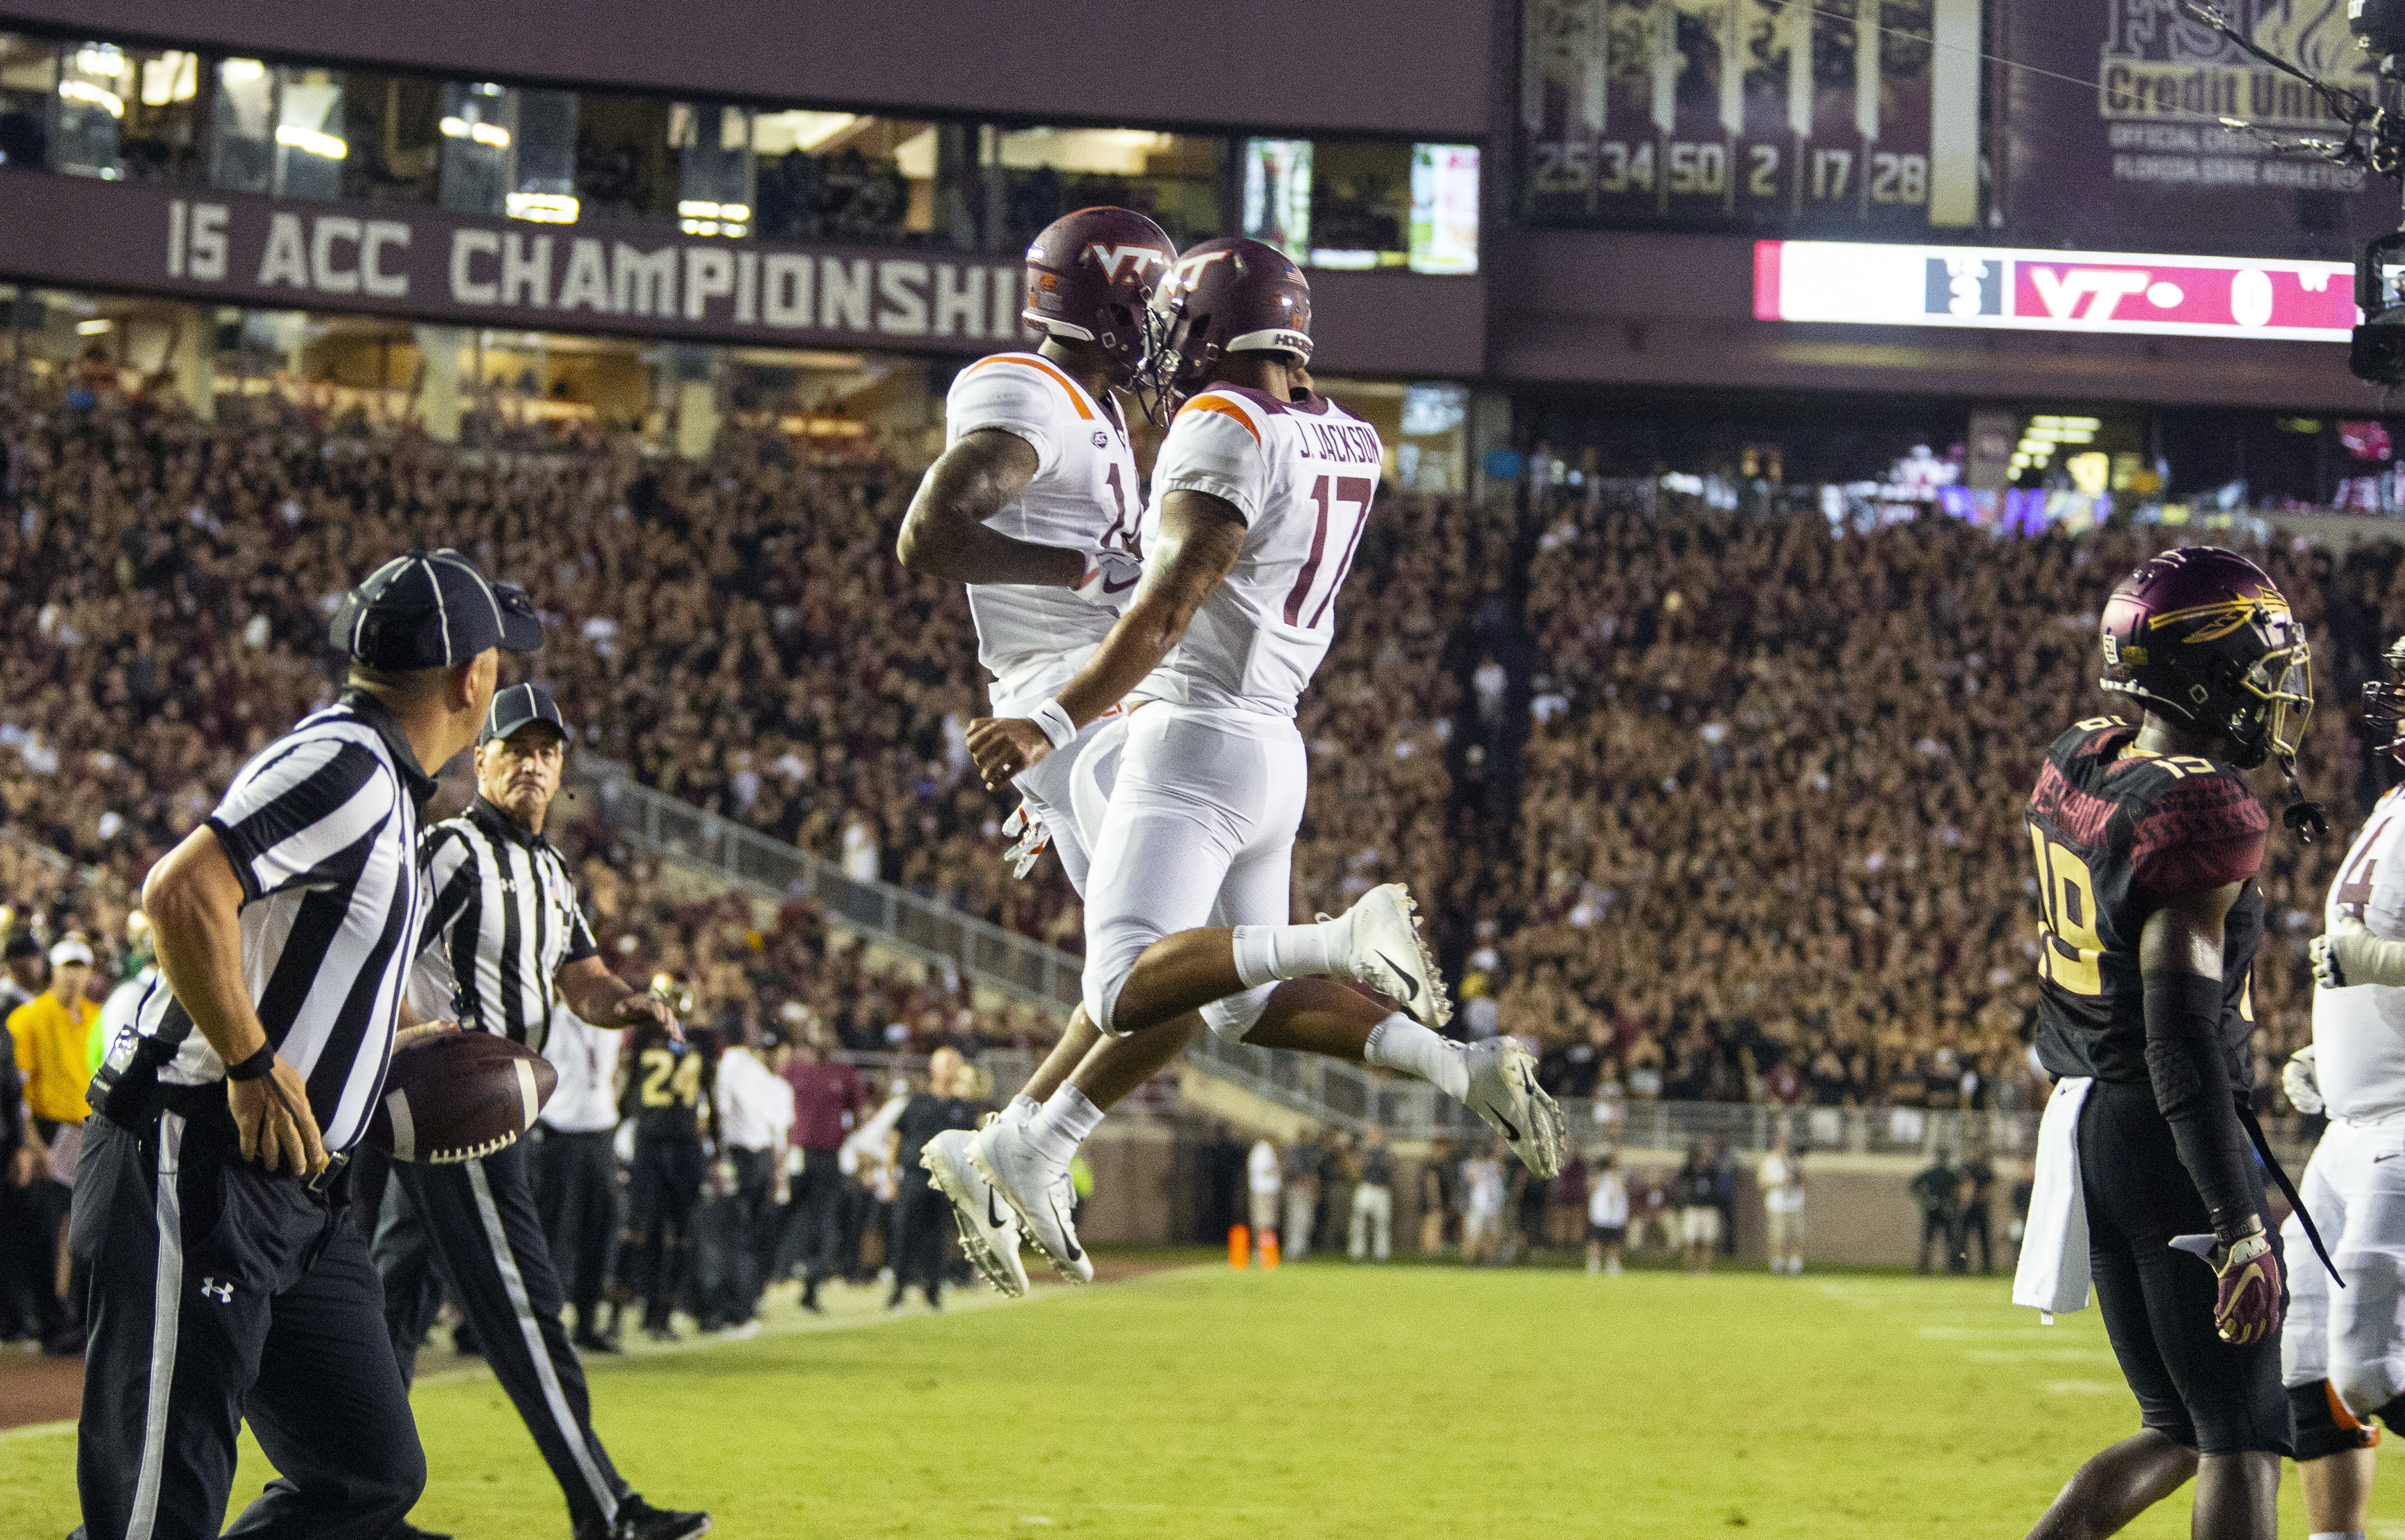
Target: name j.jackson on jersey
(1346,442)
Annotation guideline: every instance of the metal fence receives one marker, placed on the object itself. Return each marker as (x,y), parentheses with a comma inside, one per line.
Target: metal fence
(1344,1095)
(983,953)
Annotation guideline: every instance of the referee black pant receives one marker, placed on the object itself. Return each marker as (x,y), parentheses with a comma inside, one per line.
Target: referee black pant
(476,1223)
(218,1293)
(656,1255)
(576,1187)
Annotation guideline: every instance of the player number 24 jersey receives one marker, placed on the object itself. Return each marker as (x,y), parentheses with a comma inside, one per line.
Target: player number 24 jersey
(1303,475)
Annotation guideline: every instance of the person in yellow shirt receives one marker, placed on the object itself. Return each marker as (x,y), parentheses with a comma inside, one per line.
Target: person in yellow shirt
(53,1035)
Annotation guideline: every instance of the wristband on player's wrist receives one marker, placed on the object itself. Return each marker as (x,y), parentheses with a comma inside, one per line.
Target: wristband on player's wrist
(256,1067)
(1058,726)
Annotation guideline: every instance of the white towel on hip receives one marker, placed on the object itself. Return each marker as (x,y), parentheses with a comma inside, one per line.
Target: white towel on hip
(2053,1272)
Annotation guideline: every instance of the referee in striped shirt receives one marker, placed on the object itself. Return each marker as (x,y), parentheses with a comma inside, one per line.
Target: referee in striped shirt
(210,1212)
(503,941)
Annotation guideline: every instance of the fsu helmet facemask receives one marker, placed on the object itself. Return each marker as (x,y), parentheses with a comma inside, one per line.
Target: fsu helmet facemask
(2384,700)
(1227,296)
(1090,276)
(2205,638)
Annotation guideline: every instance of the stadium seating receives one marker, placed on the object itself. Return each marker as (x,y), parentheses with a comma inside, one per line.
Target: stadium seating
(1767,811)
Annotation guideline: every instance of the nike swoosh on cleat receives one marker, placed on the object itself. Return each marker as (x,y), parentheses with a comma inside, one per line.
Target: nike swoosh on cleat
(1075,1255)
(1110,587)
(1508,1131)
(1410,985)
(2377,1159)
(990,1217)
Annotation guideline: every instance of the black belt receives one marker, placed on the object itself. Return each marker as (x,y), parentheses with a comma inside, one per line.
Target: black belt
(136,1107)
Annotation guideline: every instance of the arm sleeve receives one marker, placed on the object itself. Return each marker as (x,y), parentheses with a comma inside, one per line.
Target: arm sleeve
(304,816)
(1017,399)
(2197,831)
(2190,1072)
(1216,447)
(581,943)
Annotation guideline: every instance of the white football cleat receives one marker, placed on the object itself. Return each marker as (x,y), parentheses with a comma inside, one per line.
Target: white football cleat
(1504,1090)
(1390,957)
(1036,1189)
(989,1227)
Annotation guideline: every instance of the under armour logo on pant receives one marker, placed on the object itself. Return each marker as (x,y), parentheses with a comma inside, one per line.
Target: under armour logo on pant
(223,1293)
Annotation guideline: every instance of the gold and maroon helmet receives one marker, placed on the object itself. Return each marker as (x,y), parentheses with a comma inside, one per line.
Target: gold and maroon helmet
(2384,700)
(2203,636)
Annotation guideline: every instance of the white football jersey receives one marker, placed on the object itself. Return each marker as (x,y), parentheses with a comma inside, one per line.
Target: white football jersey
(1085,498)
(1303,474)
(2359,1031)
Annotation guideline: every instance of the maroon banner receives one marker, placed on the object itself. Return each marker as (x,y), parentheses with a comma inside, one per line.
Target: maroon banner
(271,254)
(2141,158)
(435,266)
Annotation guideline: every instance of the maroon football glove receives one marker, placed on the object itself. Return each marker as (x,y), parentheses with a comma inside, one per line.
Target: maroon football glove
(2247,1307)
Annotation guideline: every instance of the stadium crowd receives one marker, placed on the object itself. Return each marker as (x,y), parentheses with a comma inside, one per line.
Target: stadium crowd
(1763,840)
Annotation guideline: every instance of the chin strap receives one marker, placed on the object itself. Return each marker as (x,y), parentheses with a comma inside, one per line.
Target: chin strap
(2308,820)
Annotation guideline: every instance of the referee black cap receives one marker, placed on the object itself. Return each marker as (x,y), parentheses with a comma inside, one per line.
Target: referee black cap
(432,610)
(521,706)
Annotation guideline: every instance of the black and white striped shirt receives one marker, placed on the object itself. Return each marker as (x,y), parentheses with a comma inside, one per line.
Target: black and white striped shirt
(322,830)
(502,924)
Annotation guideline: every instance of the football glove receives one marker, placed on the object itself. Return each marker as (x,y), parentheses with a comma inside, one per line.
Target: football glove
(2247,1310)
(2297,1081)
(1110,580)
(2326,972)
(1030,837)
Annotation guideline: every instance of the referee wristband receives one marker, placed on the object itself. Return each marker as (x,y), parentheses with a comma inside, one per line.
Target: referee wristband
(1060,730)
(256,1067)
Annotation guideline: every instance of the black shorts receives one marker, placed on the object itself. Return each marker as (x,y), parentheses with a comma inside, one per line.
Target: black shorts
(1605,1235)
(2157,1304)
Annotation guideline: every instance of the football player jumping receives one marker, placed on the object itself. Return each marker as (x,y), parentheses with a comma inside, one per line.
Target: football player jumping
(2147,844)
(1259,497)
(2343,1354)
(1034,504)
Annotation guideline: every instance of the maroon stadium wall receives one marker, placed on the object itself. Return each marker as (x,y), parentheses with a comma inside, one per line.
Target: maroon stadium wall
(1385,66)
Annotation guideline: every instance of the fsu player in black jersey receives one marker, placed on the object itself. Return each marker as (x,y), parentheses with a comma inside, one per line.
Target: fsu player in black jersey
(671,1076)
(2147,844)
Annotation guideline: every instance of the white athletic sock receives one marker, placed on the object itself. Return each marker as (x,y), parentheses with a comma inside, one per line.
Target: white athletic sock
(1399,1043)
(1062,1124)
(1266,954)
(1023,1109)
(2338,1535)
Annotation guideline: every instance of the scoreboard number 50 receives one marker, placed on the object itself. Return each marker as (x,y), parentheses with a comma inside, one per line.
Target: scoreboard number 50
(2070,945)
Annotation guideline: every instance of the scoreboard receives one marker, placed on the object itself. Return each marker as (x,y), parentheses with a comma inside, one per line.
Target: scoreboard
(1854,117)
(2044,290)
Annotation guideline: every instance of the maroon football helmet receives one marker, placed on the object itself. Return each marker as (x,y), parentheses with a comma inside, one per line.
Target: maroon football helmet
(2203,636)
(1233,295)
(1088,276)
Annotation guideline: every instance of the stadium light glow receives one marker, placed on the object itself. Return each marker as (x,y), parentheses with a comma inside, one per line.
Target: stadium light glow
(240,71)
(94,327)
(542,208)
(84,91)
(312,141)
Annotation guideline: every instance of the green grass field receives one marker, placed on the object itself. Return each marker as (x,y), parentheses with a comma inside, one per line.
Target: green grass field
(1325,1401)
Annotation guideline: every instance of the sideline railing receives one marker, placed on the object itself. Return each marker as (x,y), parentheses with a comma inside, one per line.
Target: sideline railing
(1343,1095)
(982,952)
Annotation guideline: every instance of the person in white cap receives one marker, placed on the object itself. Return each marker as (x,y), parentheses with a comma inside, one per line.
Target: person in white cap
(52,1032)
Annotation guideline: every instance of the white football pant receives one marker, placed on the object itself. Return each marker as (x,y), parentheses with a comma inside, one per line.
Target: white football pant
(1199,829)
(2355,1189)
